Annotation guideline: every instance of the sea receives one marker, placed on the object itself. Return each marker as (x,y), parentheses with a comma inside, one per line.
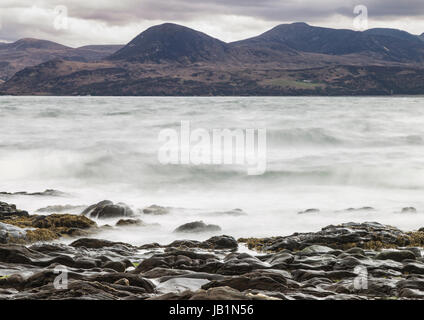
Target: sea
(351,159)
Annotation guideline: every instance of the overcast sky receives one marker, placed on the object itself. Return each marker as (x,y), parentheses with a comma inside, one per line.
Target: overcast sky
(118,21)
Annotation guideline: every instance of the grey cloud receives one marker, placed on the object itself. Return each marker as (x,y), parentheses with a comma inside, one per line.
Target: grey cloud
(118,15)
(276,10)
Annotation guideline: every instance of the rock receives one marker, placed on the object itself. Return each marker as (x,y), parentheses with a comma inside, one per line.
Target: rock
(133,279)
(129,222)
(309,211)
(356,251)
(123,282)
(45,193)
(247,281)
(280,260)
(221,293)
(9,233)
(234,213)
(156,210)
(47,228)
(360,209)
(96,243)
(176,285)
(315,249)
(413,268)
(9,210)
(240,263)
(61,222)
(396,255)
(61,209)
(369,235)
(220,242)
(197,227)
(107,209)
(409,210)
(411,294)
(115,265)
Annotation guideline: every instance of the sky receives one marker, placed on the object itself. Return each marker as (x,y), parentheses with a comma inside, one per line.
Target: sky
(82,22)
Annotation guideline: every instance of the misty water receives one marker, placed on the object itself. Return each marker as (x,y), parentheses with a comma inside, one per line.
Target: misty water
(325,153)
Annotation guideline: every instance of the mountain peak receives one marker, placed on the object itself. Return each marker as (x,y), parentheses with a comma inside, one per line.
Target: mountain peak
(394,33)
(172,42)
(31,43)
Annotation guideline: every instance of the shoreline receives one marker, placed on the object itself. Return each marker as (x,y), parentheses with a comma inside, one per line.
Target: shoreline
(330,264)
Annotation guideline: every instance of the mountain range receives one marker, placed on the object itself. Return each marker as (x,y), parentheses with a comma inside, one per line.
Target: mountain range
(170,59)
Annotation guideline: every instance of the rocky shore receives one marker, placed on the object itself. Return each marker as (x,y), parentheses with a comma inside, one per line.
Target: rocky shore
(352,261)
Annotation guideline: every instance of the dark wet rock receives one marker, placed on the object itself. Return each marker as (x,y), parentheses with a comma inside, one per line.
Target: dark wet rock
(96,243)
(47,228)
(122,282)
(309,211)
(409,210)
(396,255)
(197,227)
(165,272)
(413,268)
(150,246)
(239,263)
(369,235)
(17,254)
(220,242)
(9,233)
(221,293)
(156,210)
(9,210)
(115,265)
(322,267)
(356,251)
(61,209)
(129,222)
(302,275)
(133,279)
(411,293)
(280,260)
(316,249)
(107,209)
(414,282)
(249,281)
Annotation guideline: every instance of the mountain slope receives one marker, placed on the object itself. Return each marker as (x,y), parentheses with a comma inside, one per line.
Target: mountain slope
(175,43)
(30,52)
(385,44)
(295,59)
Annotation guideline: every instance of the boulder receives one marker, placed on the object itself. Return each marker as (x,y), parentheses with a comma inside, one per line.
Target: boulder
(9,233)
(197,227)
(396,255)
(107,209)
(409,210)
(220,242)
(9,210)
(129,222)
(156,210)
(309,211)
(234,213)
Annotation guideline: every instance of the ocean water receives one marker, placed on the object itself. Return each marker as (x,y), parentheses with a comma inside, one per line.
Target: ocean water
(325,153)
